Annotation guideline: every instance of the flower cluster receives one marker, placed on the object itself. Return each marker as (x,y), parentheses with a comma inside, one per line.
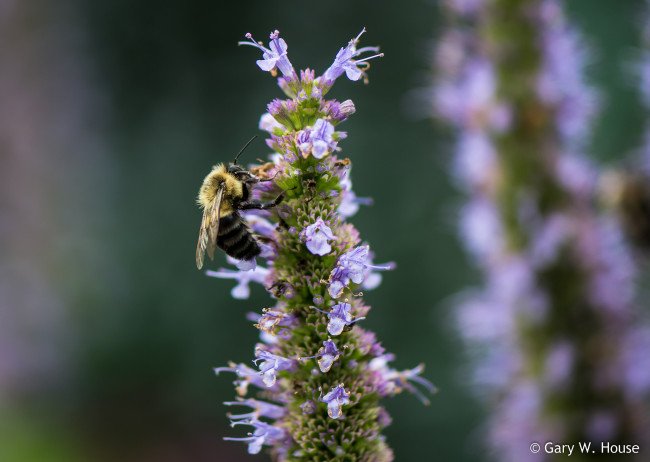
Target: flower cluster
(552,323)
(316,371)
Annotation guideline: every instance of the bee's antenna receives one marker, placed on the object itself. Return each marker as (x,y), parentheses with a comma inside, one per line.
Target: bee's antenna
(242,149)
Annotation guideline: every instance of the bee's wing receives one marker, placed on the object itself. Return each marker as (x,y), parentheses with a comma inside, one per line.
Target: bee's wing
(209,230)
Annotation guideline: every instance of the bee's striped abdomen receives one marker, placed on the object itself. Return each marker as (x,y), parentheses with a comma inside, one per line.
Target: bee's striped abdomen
(236,239)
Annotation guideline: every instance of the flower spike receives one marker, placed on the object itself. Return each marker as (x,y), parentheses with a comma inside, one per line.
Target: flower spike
(314,371)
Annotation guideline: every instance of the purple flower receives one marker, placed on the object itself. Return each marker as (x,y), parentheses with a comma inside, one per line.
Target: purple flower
(269,124)
(271,364)
(260,409)
(352,267)
(399,380)
(339,317)
(343,62)
(275,57)
(263,434)
(327,354)
(335,111)
(241,291)
(319,139)
(372,279)
(350,203)
(316,237)
(308,407)
(246,374)
(336,398)
(270,319)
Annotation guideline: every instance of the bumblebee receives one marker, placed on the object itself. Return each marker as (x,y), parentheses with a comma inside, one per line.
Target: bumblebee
(223,194)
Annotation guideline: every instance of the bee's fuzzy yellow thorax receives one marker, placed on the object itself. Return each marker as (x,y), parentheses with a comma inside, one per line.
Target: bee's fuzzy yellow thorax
(212,182)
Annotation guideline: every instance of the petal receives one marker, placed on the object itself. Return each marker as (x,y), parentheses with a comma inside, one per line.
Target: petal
(372,281)
(245,265)
(269,378)
(336,289)
(319,149)
(255,445)
(318,245)
(352,71)
(241,291)
(336,325)
(266,64)
(326,361)
(356,276)
(334,409)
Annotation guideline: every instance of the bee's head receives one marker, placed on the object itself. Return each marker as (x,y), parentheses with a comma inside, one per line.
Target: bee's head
(238,172)
(234,169)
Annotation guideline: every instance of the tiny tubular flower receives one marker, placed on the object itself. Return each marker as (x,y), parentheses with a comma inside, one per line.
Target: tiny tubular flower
(269,124)
(308,407)
(339,317)
(275,57)
(241,291)
(316,237)
(399,380)
(336,398)
(270,319)
(326,355)
(354,69)
(350,203)
(260,409)
(246,374)
(270,365)
(264,434)
(353,267)
(319,140)
(372,279)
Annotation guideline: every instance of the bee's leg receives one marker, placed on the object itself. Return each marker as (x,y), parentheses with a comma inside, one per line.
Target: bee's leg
(258,205)
(252,180)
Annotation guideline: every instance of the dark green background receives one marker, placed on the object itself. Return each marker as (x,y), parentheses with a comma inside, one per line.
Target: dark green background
(180,95)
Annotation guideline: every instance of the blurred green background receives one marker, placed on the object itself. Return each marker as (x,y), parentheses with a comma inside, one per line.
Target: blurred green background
(111,115)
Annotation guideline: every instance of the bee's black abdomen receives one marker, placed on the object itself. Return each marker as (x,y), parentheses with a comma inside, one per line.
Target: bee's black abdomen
(236,239)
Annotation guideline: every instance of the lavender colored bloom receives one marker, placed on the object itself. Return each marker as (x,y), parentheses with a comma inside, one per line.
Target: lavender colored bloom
(339,317)
(269,124)
(352,267)
(308,407)
(274,57)
(241,291)
(270,365)
(335,399)
(343,62)
(350,203)
(271,319)
(263,434)
(247,376)
(372,278)
(319,140)
(316,237)
(260,409)
(327,355)
(396,381)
